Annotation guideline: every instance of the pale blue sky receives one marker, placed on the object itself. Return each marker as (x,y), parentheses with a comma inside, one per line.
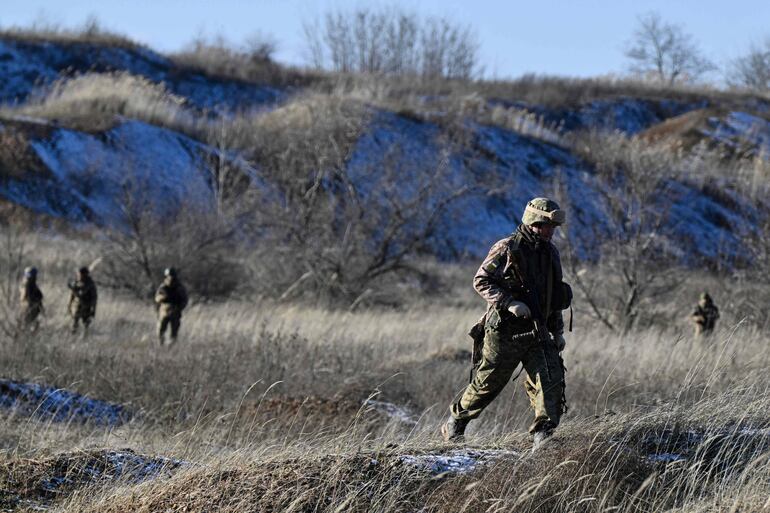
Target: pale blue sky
(570,38)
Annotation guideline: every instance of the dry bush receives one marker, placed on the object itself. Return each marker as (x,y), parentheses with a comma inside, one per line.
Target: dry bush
(331,227)
(93,101)
(252,62)
(629,268)
(17,158)
(556,92)
(200,244)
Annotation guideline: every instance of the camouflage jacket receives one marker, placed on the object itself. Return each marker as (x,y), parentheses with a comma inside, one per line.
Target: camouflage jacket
(83,295)
(706,315)
(524,268)
(30,294)
(171,298)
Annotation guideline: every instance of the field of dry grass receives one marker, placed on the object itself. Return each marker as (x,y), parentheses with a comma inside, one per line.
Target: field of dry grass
(265,406)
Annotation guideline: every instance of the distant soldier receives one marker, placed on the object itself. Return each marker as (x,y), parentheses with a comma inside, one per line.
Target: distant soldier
(170,299)
(31,300)
(521,281)
(82,304)
(705,316)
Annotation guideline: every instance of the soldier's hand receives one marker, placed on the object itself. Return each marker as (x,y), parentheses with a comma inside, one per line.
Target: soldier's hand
(519,309)
(560,341)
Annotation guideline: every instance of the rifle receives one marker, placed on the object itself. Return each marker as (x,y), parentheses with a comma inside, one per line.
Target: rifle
(544,337)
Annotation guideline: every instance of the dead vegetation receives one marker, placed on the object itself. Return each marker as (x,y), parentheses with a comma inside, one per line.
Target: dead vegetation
(269,402)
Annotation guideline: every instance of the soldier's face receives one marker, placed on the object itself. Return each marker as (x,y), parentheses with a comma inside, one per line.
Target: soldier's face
(544,230)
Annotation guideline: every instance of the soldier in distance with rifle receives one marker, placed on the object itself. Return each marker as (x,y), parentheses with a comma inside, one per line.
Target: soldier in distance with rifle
(83,297)
(521,280)
(170,300)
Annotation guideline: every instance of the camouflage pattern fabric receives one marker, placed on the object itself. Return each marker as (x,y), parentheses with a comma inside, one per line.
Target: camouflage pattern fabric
(705,317)
(31,302)
(500,357)
(82,302)
(519,268)
(171,299)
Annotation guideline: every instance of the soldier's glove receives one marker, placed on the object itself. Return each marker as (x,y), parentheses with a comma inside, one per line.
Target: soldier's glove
(519,309)
(559,341)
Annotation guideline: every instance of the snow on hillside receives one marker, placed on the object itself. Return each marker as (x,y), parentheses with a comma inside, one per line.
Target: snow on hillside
(498,170)
(91,175)
(503,170)
(94,176)
(741,131)
(26,66)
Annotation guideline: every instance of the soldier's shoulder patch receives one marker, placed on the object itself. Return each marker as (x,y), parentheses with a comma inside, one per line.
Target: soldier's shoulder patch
(492,265)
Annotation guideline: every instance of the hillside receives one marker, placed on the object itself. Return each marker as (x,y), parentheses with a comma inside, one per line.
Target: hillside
(69,147)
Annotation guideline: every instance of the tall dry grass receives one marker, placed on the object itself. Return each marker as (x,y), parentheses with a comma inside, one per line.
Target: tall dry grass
(93,101)
(267,402)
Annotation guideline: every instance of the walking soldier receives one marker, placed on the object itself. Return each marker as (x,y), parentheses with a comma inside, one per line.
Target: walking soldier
(521,280)
(170,299)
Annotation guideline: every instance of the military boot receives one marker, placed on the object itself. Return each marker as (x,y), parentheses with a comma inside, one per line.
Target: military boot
(454,429)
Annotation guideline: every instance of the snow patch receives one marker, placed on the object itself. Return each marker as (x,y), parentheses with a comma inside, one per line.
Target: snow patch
(665,457)
(460,461)
(26,66)
(393,411)
(117,465)
(741,131)
(59,405)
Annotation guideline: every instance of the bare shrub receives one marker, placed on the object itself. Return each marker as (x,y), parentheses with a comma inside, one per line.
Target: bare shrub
(665,51)
(333,227)
(193,239)
(751,70)
(250,62)
(391,41)
(634,269)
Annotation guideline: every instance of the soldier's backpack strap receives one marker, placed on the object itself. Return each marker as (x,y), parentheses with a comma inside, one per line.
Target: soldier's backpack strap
(516,255)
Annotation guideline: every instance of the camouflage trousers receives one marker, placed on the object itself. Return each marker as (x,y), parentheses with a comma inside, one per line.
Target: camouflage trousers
(500,357)
(28,319)
(77,319)
(173,320)
(84,314)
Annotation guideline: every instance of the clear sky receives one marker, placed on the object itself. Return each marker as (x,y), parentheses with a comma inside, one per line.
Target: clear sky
(567,37)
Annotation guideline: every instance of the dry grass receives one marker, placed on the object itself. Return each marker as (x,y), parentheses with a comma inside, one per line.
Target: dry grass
(222,60)
(267,400)
(90,32)
(93,102)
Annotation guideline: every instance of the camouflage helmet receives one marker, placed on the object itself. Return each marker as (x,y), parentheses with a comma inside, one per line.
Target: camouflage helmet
(84,270)
(704,296)
(30,272)
(169,272)
(543,210)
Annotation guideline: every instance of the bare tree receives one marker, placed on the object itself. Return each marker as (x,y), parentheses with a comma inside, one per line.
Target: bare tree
(752,70)
(194,236)
(632,269)
(394,42)
(665,51)
(337,230)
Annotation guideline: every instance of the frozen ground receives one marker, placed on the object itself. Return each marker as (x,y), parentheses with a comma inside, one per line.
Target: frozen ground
(59,405)
(458,461)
